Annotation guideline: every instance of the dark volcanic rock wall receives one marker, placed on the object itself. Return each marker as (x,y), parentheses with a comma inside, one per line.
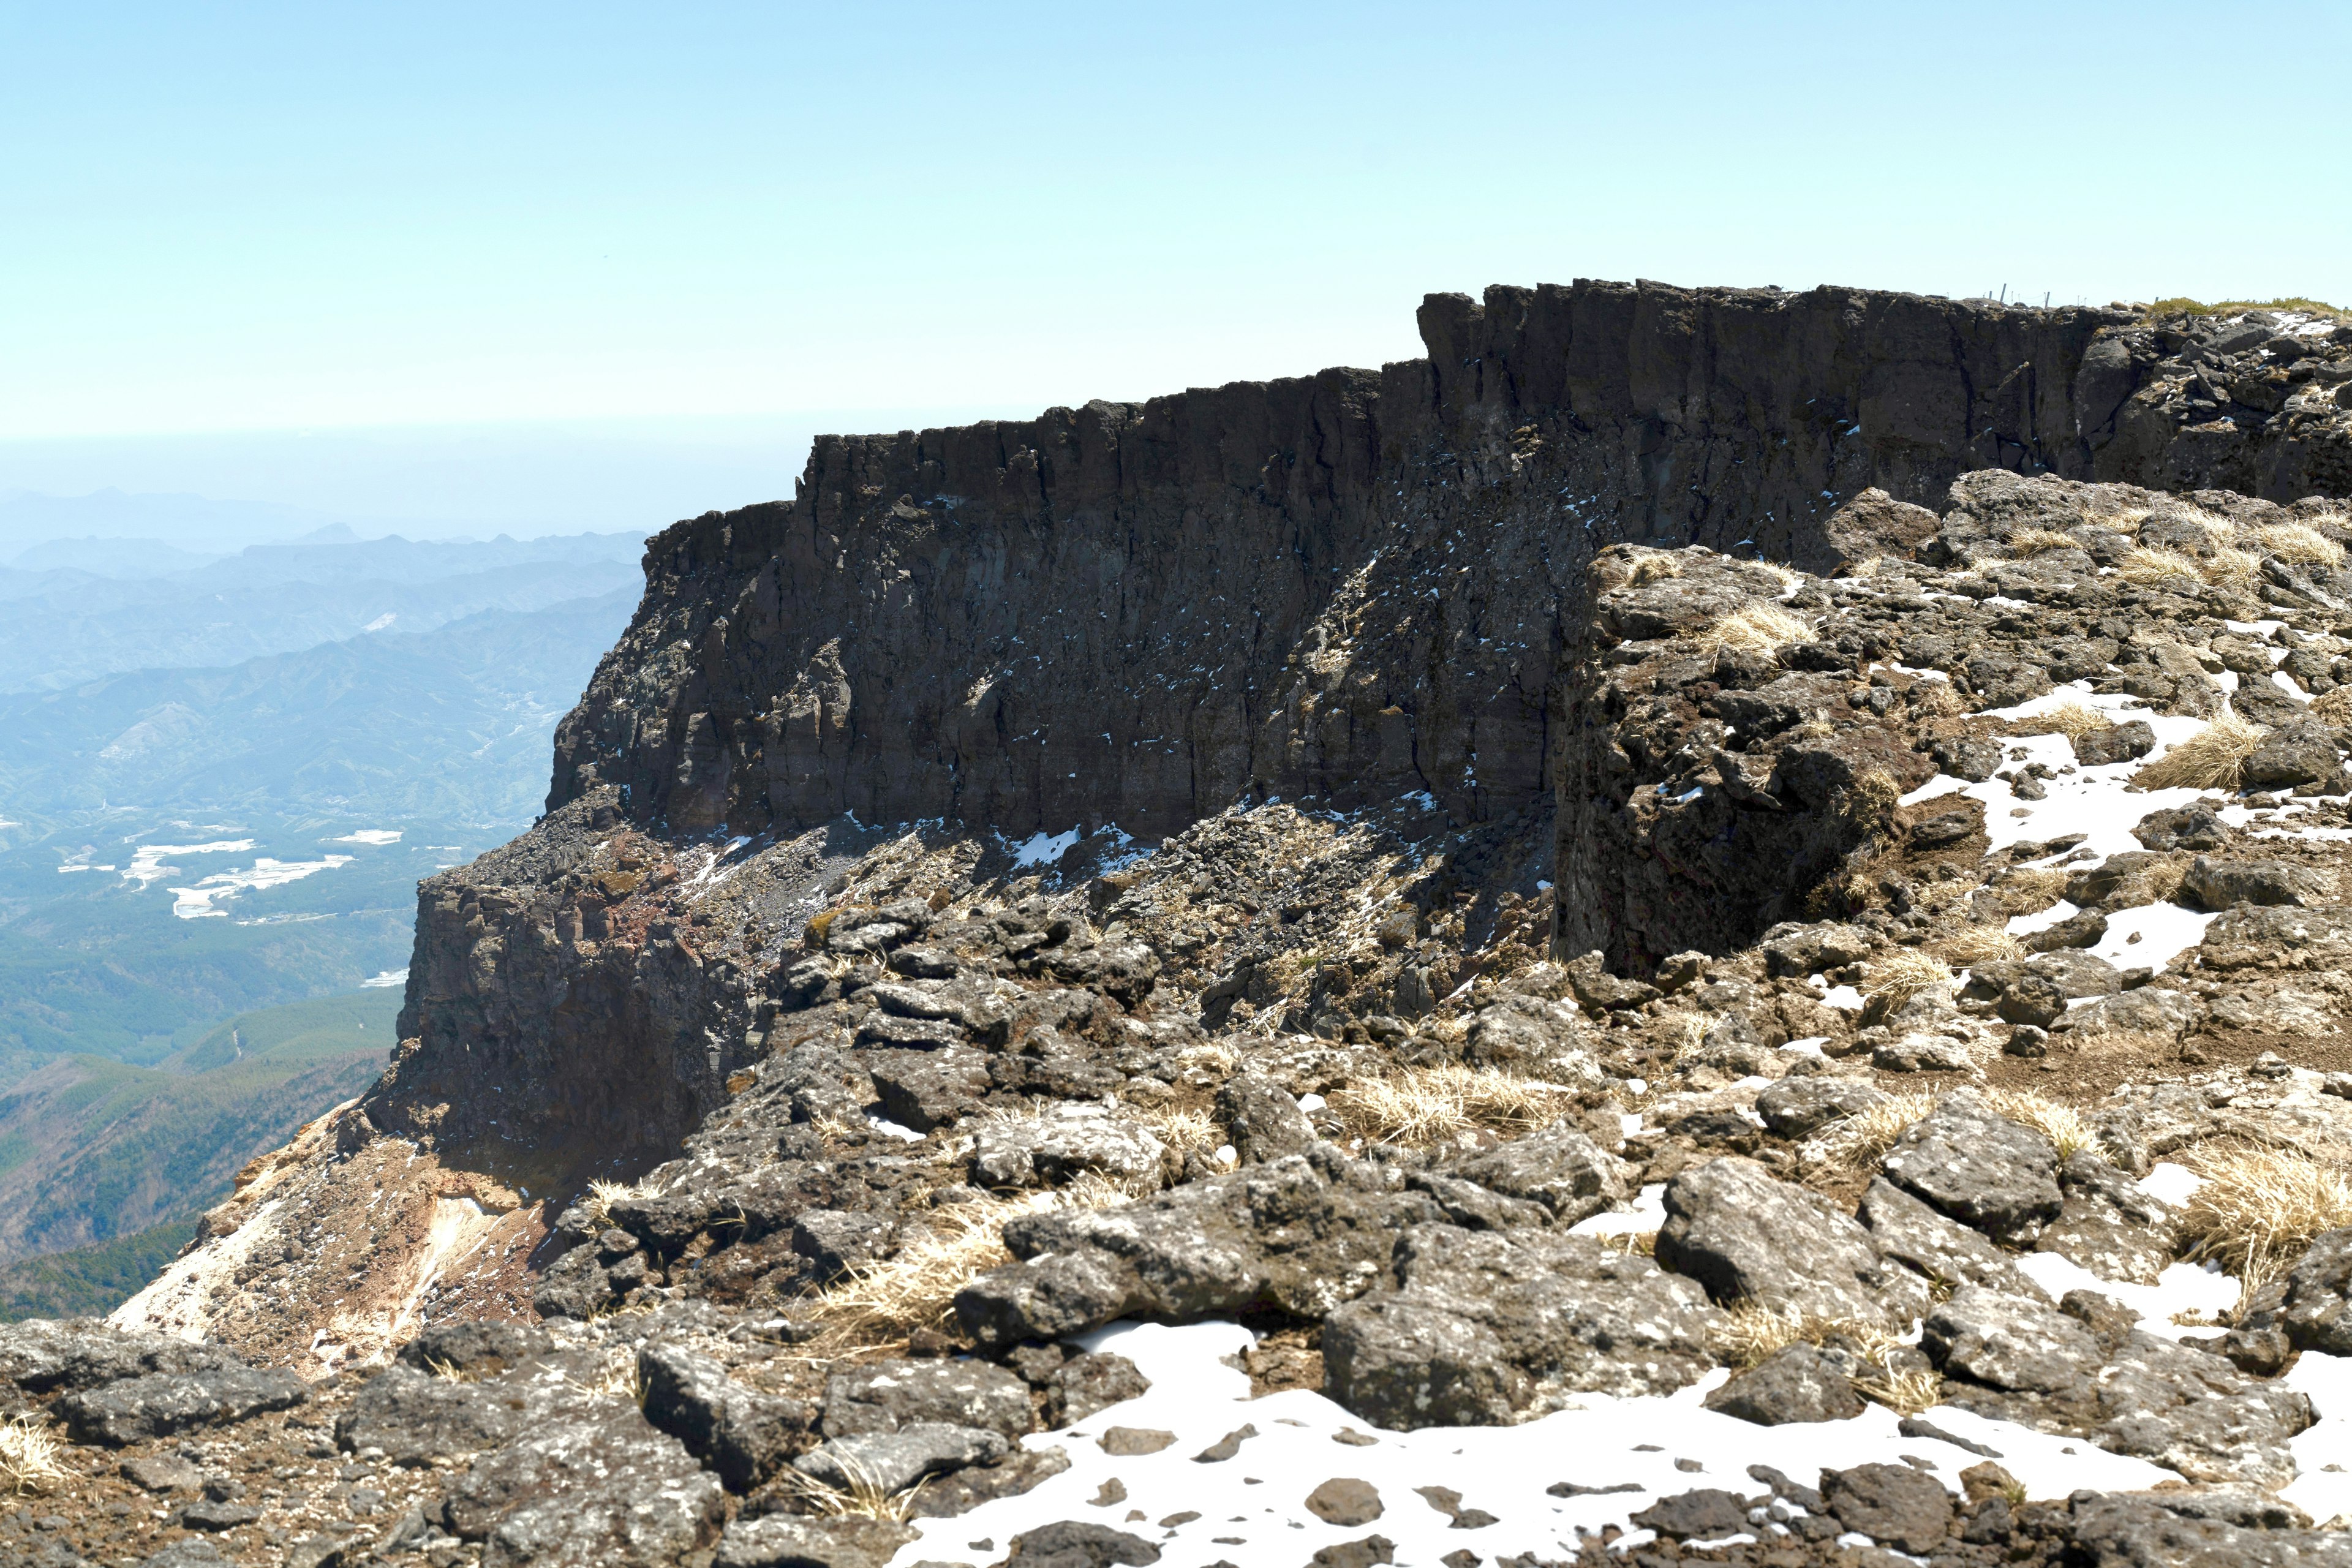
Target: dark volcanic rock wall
(1342,586)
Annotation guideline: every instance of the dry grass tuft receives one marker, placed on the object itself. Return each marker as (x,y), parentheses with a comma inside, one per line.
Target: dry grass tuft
(2040,541)
(1751,1331)
(1419,1107)
(2300,542)
(602,1195)
(2260,1207)
(1859,1140)
(2073,718)
(28,1454)
(1655,566)
(1187,1131)
(1981,944)
(863,1498)
(1214,1057)
(1762,630)
(2128,520)
(620,1380)
(2213,758)
(2154,567)
(2232,568)
(2030,890)
(1903,974)
(1682,1032)
(1904,1392)
(2061,1124)
(916,1287)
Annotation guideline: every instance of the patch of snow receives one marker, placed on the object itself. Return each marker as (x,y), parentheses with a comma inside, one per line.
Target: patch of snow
(2181,1288)
(2165,931)
(382,621)
(371,836)
(390,977)
(1043,848)
(2323,1452)
(890,1128)
(147,860)
(1255,1501)
(196,903)
(1647,1213)
(2170,1182)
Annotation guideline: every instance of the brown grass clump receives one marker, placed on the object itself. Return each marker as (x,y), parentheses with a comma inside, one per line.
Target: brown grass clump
(602,1195)
(2040,541)
(2232,568)
(28,1454)
(1419,1107)
(1751,1331)
(1760,629)
(1859,1140)
(2155,566)
(1901,975)
(1655,566)
(863,1498)
(2260,1207)
(1185,1130)
(2300,542)
(2073,718)
(884,1301)
(2061,1124)
(2030,890)
(2213,758)
(1981,944)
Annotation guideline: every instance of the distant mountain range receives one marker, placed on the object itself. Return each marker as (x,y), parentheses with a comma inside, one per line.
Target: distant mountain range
(66,624)
(220,780)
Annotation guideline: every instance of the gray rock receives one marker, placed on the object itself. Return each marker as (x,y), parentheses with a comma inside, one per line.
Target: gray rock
(2218,883)
(2159,1529)
(210,1515)
(1978,1168)
(1471,1206)
(575,1286)
(1488,1328)
(2084,1372)
(416,1418)
(1793,1383)
(1559,1166)
(1263,1117)
(927,1089)
(1072,1543)
(1302,1233)
(133,1410)
(2107,1224)
(1799,1107)
(885,1396)
(190,1554)
(1063,1144)
(1940,1249)
(1701,1514)
(2087,928)
(1964,757)
(2314,1305)
(1921,1052)
(1746,1237)
(2076,973)
(44,1355)
(478,1347)
(893,1461)
(2115,743)
(742,1433)
(587,1480)
(1893,1504)
(786,1540)
(1530,1035)
(163,1473)
(1019,1471)
(836,1240)
(2277,937)
(1345,1501)
(2190,827)
(2147,1010)
(2299,751)
(1087,1384)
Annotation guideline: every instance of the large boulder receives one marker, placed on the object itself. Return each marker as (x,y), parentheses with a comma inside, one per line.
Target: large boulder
(1940,1249)
(1304,1234)
(1063,1143)
(1559,1166)
(1487,1328)
(1794,1384)
(885,1395)
(135,1409)
(1538,1038)
(1979,1168)
(1746,1237)
(743,1433)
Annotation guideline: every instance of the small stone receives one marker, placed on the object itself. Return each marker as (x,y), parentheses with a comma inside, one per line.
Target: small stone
(1700,1514)
(1893,1504)
(1343,1500)
(1125,1442)
(1226,1446)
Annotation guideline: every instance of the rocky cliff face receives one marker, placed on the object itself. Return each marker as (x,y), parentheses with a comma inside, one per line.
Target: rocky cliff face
(1358,830)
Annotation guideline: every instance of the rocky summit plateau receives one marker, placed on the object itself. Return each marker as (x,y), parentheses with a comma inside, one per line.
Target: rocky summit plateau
(1709,925)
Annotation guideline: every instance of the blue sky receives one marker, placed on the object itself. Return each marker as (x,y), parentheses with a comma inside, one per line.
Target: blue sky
(442,260)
